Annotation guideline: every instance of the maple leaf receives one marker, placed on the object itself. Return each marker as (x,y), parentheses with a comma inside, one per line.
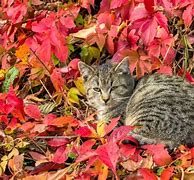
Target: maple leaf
(120,133)
(116,4)
(138,61)
(86,131)
(57,80)
(12,125)
(109,154)
(17,104)
(113,123)
(167,173)
(146,24)
(165,70)
(17,12)
(160,155)
(149,5)
(61,121)
(60,155)
(188,15)
(147,174)
(85,150)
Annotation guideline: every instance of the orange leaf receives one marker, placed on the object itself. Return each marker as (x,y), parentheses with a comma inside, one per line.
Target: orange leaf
(62,121)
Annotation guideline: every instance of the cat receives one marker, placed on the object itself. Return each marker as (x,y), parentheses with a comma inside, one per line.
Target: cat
(161,106)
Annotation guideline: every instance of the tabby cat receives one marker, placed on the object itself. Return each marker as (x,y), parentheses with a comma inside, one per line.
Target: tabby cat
(161,105)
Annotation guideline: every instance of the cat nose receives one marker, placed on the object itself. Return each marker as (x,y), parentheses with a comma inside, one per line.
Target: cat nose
(105,97)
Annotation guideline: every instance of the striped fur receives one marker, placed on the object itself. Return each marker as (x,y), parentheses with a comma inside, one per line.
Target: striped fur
(161,105)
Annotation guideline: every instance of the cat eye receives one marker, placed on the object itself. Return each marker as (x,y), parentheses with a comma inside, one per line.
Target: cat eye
(114,87)
(97,89)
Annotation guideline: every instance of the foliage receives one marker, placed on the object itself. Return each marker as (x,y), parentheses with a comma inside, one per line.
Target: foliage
(46,128)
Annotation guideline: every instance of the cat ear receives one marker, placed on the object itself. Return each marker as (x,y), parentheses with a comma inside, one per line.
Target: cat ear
(123,66)
(85,70)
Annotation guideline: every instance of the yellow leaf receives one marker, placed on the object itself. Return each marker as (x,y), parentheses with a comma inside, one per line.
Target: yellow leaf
(14,152)
(73,95)
(3,164)
(2,74)
(100,128)
(80,85)
(9,143)
(21,144)
(23,53)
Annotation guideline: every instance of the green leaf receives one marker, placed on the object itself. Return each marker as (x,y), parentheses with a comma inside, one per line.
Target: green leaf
(10,76)
(47,107)
(88,53)
(79,20)
(73,95)
(72,155)
(159,171)
(94,52)
(55,60)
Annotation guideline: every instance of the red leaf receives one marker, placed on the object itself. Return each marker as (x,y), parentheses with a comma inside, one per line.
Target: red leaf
(160,155)
(44,52)
(17,12)
(33,111)
(148,31)
(57,80)
(149,5)
(55,142)
(162,20)
(109,154)
(62,121)
(127,150)
(167,173)
(192,152)
(116,4)
(85,150)
(84,131)
(165,70)
(86,146)
(68,22)
(112,125)
(17,103)
(147,174)
(187,15)
(110,44)
(43,167)
(85,156)
(13,124)
(120,133)
(60,155)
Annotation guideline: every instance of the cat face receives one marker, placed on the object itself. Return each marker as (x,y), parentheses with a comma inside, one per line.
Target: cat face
(107,86)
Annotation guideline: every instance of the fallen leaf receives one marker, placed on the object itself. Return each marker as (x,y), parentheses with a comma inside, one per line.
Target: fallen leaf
(60,155)
(160,154)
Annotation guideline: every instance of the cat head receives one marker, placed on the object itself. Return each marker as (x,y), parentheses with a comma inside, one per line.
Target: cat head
(107,86)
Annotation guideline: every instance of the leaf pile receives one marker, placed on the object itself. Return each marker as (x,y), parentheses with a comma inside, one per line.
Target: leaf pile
(47,131)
